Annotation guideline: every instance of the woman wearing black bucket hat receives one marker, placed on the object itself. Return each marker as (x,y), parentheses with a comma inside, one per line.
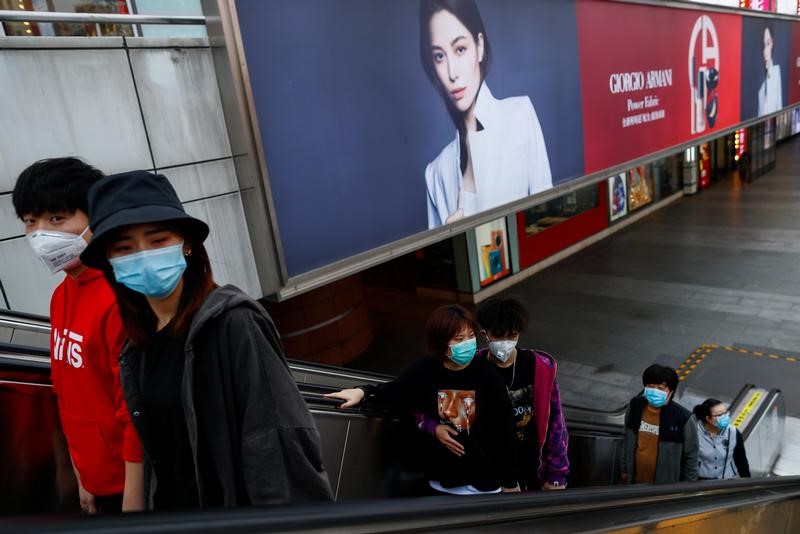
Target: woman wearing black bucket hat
(221,420)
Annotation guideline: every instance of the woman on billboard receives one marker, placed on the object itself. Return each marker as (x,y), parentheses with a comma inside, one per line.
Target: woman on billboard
(498,154)
(770,94)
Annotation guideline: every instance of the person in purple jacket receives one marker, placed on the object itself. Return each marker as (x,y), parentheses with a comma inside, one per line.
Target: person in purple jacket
(530,378)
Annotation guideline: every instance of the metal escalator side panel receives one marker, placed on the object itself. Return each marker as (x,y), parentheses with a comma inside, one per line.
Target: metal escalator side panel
(35,471)
(761,505)
(767,431)
(24,329)
(759,416)
(744,415)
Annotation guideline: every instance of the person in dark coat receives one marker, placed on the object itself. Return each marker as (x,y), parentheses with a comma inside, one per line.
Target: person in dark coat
(220,417)
(660,443)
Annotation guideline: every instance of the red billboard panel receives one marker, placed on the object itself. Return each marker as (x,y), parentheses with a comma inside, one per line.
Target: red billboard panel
(654,77)
(794,67)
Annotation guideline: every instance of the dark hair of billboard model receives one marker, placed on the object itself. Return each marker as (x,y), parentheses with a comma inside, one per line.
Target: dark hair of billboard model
(466,11)
(768,60)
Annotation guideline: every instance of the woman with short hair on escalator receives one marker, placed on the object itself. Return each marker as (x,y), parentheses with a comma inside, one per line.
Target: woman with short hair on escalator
(457,399)
(721,453)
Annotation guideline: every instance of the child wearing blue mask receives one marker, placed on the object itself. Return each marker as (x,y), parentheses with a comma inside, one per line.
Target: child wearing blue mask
(721,454)
(460,401)
(660,444)
(219,415)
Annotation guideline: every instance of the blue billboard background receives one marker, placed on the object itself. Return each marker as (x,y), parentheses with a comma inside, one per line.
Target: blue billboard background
(349,120)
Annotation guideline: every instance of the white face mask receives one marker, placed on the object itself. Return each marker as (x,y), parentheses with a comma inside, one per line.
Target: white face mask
(502,348)
(57,250)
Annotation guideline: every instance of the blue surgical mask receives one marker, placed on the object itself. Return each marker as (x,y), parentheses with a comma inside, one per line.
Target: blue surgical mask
(153,273)
(723,421)
(655,397)
(463,352)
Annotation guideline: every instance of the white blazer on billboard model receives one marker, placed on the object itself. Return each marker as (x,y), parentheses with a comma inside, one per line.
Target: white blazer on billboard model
(509,160)
(770,94)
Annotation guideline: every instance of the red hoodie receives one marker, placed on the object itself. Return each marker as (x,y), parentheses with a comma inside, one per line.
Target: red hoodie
(85,343)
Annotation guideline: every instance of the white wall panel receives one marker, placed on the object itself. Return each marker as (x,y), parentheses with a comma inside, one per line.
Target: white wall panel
(10,225)
(80,100)
(68,102)
(27,283)
(228,244)
(181,104)
(193,182)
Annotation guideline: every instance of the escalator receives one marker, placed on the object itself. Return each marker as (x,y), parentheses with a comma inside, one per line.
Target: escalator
(366,455)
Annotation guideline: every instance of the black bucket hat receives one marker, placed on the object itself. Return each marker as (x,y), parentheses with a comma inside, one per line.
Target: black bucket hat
(134,197)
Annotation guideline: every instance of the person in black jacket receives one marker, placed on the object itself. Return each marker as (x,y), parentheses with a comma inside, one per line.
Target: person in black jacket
(722,453)
(660,443)
(458,399)
(220,417)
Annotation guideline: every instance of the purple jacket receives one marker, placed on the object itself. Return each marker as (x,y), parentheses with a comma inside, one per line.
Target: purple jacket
(551,430)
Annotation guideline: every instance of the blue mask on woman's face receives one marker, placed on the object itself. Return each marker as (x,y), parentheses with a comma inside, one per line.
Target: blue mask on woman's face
(655,397)
(723,421)
(153,273)
(463,352)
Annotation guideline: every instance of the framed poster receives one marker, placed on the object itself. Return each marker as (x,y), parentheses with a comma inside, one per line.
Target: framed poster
(617,197)
(491,241)
(640,187)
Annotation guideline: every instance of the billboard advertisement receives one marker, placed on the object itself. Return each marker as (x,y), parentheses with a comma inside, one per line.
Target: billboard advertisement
(766,66)
(654,77)
(382,121)
(793,67)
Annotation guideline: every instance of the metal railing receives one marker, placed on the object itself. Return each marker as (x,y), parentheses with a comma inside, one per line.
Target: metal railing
(97,18)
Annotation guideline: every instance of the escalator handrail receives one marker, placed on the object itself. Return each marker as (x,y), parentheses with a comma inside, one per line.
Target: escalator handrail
(24,321)
(441,512)
(760,412)
(581,418)
(740,397)
(12,314)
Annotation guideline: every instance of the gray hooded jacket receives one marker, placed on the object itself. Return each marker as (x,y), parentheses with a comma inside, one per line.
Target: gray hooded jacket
(242,405)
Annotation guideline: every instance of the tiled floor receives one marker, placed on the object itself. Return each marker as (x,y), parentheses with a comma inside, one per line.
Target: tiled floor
(722,266)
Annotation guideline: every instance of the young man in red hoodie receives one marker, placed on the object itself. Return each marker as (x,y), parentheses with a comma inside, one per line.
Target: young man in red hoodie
(51,199)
